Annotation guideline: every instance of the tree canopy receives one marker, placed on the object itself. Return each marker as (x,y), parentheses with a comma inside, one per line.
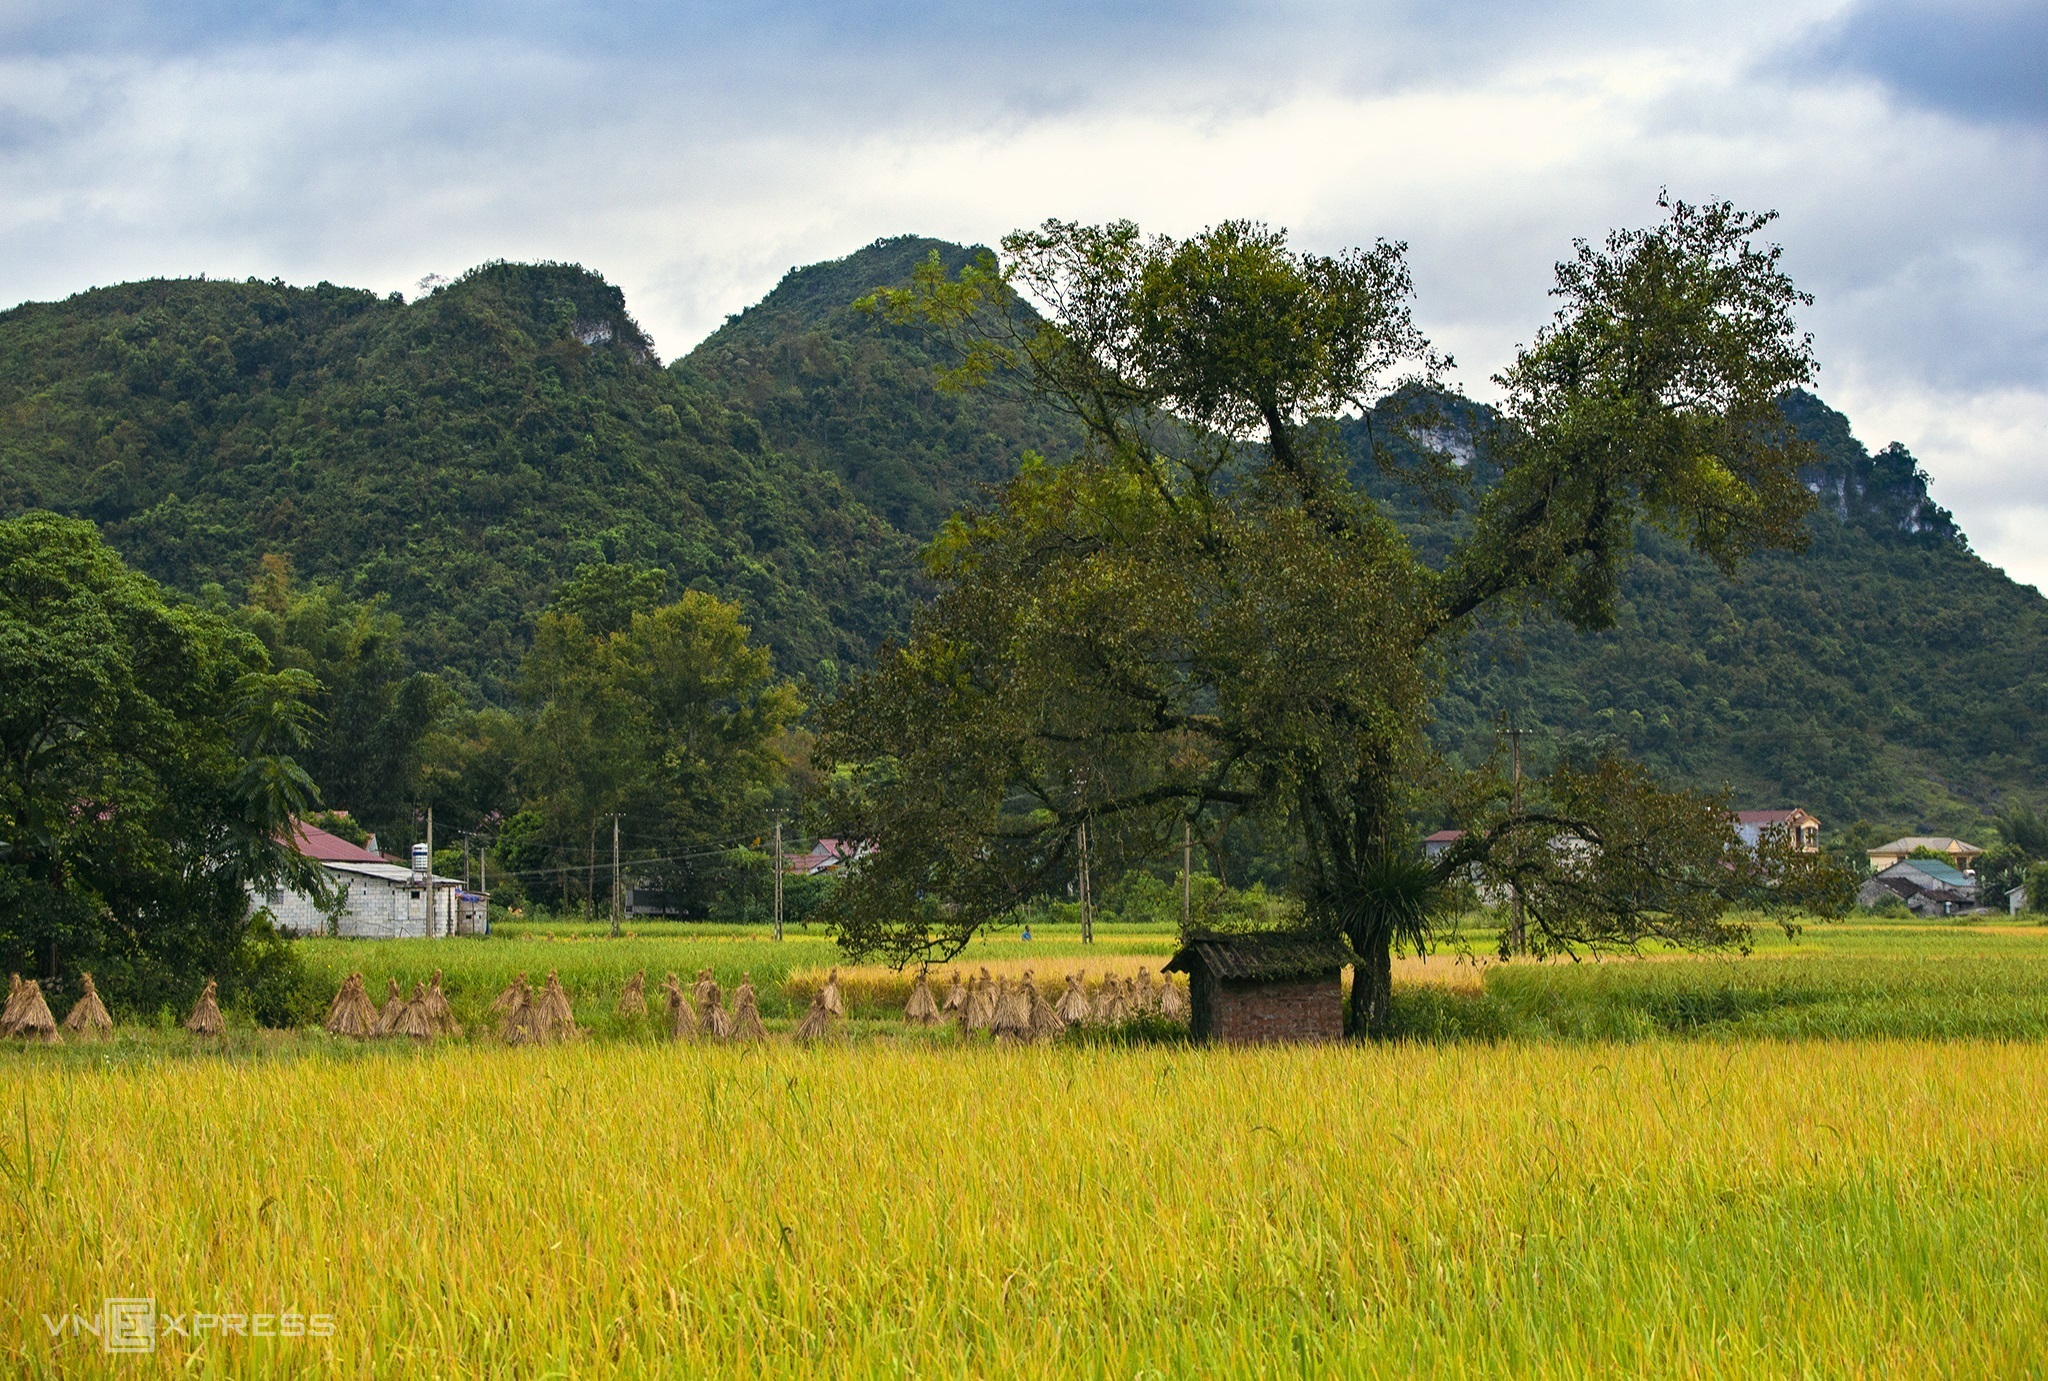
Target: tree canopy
(1200,618)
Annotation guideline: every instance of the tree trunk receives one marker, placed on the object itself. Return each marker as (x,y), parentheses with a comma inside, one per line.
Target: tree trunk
(1372,987)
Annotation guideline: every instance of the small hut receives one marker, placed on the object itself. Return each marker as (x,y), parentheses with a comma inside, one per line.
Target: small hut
(1257,988)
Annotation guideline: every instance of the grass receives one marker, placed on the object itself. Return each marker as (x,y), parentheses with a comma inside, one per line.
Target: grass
(1739,1209)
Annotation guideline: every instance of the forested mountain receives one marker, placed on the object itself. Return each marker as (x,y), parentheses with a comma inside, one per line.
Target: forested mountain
(461,455)
(464,453)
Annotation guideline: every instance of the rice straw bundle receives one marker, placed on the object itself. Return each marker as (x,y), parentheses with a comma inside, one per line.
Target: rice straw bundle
(553,1021)
(980,1014)
(438,1010)
(956,996)
(33,1022)
(1109,1002)
(715,1021)
(633,1001)
(413,1018)
(746,1013)
(817,1022)
(682,1022)
(88,1015)
(1073,1006)
(1173,1002)
(920,1010)
(1144,997)
(830,995)
(205,1019)
(11,1014)
(352,1013)
(1013,1010)
(516,1005)
(392,1010)
(1046,1020)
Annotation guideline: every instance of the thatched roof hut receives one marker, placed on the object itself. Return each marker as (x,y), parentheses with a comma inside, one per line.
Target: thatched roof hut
(1265,987)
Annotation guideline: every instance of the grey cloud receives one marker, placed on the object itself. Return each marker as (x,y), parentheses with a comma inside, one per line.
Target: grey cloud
(1986,60)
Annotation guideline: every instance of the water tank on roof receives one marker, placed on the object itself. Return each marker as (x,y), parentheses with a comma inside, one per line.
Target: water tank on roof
(422,862)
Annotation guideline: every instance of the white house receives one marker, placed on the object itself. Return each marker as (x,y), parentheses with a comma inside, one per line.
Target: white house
(379,899)
(1801,828)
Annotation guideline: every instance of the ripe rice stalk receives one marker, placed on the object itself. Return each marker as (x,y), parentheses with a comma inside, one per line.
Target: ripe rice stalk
(392,1010)
(205,1019)
(956,995)
(413,1017)
(921,1010)
(89,1015)
(1073,1005)
(438,1011)
(34,1022)
(746,1013)
(1046,1021)
(980,1014)
(682,1022)
(633,1000)
(817,1022)
(834,1004)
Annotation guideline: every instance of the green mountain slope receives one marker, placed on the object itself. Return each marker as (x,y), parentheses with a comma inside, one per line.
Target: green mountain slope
(460,455)
(845,392)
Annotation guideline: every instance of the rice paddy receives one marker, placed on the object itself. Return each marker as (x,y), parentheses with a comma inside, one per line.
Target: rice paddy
(1725,1186)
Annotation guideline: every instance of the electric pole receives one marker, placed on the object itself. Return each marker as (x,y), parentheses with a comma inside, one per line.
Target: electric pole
(778,879)
(1087,918)
(616,898)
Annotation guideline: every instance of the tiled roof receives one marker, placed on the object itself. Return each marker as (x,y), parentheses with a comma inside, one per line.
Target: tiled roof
(1262,956)
(316,843)
(1445,837)
(1939,843)
(1765,817)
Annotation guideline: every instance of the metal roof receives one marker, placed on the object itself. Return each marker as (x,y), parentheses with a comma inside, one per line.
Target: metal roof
(1932,869)
(1262,955)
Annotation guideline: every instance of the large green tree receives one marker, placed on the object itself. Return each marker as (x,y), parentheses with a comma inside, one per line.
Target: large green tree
(147,777)
(1200,619)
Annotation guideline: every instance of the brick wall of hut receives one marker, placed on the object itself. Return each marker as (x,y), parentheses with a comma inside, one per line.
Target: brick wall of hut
(1256,1013)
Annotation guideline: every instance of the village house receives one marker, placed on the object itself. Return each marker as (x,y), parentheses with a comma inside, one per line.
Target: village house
(1261,989)
(380,899)
(1803,829)
(1927,885)
(1960,856)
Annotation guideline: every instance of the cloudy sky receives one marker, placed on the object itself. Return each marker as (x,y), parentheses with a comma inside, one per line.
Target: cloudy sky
(692,152)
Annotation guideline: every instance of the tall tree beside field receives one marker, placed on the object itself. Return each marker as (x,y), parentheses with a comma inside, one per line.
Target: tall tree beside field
(147,776)
(1200,619)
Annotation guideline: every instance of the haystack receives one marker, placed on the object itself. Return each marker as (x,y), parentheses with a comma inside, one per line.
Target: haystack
(1144,997)
(682,1022)
(817,1022)
(746,1013)
(352,1013)
(1109,1002)
(705,992)
(205,1019)
(552,1019)
(956,996)
(829,995)
(920,1010)
(414,1018)
(516,1005)
(980,1012)
(88,1015)
(16,991)
(392,1010)
(1013,1009)
(1046,1020)
(438,1010)
(1173,1001)
(633,1000)
(33,1021)
(712,1018)
(1073,1005)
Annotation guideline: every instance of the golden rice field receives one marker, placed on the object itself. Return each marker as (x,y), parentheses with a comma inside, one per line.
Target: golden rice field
(1715,1208)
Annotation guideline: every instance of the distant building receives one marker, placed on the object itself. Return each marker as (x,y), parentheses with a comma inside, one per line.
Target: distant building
(825,856)
(1960,855)
(1441,840)
(1928,886)
(1803,829)
(379,899)
(1264,988)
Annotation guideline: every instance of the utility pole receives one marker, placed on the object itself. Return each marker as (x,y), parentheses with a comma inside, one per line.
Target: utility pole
(615,877)
(1187,875)
(1087,918)
(433,921)
(778,879)
(1518,935)
(465,860)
